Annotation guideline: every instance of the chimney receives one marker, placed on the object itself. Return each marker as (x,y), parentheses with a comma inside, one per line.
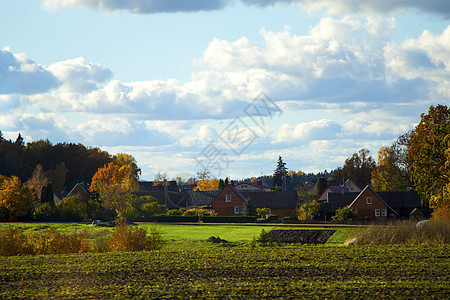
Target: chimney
(232,182)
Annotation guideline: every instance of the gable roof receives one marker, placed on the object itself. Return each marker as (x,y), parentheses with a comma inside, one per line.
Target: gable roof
(401,199)
(82,187)
(332,189)
(283,199)
(362,192)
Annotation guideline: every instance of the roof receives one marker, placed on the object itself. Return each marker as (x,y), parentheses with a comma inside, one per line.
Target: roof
(82,187)
(401,199)
(283,199)
(368,187)
(332,189)
(341,199)
(175,200)
(258,184)
(147,186)
(201,198)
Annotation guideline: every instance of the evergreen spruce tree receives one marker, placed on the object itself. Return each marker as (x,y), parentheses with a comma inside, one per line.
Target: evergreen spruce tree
(226,181)
(321,186)
(221,184)
(250,208)
(280,173)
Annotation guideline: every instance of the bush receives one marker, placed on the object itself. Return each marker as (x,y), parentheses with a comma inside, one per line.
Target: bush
(53,242)
(175,212)
(131,238)
(13,242)
(433,232)
(229,219)
(345,214)
(45,212)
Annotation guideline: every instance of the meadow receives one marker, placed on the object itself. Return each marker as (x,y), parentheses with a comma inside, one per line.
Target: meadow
(190,267)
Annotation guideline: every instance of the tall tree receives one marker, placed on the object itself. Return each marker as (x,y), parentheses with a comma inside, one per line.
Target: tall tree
(113,174)
(358,168)
(427,147)
(280,173)
(127,160)
(208,185)
(37,181)
(321,186)
(389,176)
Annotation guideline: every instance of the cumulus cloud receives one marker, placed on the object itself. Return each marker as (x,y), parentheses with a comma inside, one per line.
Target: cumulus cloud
(21,75)
(79,76)
(438,7)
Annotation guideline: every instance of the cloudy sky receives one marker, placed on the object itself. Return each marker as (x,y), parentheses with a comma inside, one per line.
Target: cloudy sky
(227,85)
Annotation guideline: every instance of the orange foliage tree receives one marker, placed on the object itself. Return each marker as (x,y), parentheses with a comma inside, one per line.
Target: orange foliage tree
(15,197)
(113,174)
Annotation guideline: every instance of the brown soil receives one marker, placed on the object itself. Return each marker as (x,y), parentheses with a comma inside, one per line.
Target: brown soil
(300,236)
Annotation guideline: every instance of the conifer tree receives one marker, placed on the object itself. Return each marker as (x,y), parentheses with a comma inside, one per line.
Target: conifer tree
(280,173)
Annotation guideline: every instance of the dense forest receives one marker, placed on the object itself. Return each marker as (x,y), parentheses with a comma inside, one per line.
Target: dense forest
(63,163)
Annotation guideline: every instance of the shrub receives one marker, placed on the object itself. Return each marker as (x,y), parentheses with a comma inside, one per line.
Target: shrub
(345,214)
(13,242)
(434,232)
(175,212)
(45,212)
(53,242)
(131,238)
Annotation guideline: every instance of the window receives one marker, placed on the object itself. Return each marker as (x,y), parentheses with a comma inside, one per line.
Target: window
(377,212)
(384,212)
(228,198)
(238,210)
(368,200)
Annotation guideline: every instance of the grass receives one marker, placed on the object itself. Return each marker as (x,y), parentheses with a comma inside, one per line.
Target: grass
(190,267)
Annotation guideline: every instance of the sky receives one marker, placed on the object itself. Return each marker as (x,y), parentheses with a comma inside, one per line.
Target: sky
(223,85)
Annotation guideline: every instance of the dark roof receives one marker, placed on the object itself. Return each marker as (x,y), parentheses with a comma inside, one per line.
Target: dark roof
(175,200)
(341,199)
(147,186)
(283,199)
(369,188)
(401,199)
(201,198)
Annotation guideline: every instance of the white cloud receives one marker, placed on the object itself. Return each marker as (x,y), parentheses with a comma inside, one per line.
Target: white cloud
(78,76)
(20,75)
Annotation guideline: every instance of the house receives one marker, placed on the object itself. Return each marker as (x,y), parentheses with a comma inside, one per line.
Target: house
(403,202)
(229,202)
(80,191)
(333,190)
(351,186)
(370,205)
(257,186)
(419,214)
(201,198)
(335,201)
(283,204)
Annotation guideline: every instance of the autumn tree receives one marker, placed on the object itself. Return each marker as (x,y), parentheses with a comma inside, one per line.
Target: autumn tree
(208,185)
(127,160)
(160,178)
(280,173)
(204,175)
(37,181)
(115,185)
(308,210)
(388,175)
(358,168)
(427,148)
(15,199)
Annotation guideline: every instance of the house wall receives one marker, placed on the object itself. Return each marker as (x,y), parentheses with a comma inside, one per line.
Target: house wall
(224,208)
(368,210)
(78,191)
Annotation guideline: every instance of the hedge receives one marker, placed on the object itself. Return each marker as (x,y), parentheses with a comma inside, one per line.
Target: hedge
(229,219)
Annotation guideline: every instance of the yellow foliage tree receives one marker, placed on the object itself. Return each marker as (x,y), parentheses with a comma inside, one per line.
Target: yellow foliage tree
(15,197)
(208,185)
(307,210)
(114,174)
(388,176)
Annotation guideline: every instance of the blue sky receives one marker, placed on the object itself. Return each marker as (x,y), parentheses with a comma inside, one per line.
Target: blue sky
(169,81)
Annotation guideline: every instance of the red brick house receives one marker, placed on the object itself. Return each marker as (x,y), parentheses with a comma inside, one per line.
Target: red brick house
(80,191)
(229,202)
(370,205)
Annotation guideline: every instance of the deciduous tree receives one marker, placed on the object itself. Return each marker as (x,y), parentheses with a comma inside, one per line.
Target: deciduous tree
(208,185)
(15,197)
(427,148)
(358,168)
(388,176)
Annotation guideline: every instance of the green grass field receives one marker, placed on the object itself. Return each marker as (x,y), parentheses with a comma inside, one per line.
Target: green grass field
(190,267)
